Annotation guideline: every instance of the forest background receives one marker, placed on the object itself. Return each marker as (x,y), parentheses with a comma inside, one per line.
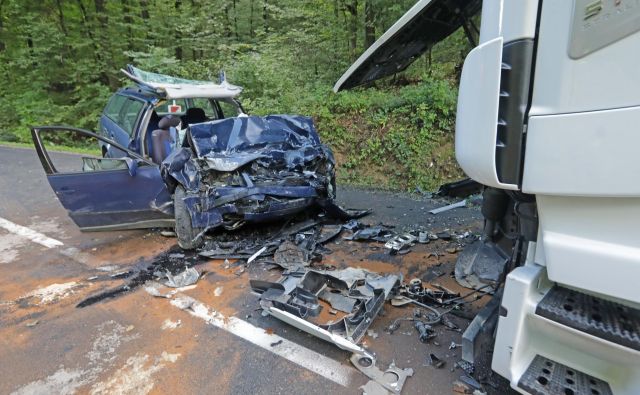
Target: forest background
(61,59)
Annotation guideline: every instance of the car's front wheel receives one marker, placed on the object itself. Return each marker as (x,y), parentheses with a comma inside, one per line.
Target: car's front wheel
(189,237)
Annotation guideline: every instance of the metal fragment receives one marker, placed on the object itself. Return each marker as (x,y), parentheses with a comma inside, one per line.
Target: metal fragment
(392,379)
(462,203)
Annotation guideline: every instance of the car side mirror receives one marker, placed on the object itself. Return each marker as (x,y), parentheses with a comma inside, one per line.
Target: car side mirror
(132,166)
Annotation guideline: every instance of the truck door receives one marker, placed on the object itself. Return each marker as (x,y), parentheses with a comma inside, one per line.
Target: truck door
(102,193)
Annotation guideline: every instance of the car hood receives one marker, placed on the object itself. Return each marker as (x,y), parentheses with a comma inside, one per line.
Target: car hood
(425,24)
(179,88)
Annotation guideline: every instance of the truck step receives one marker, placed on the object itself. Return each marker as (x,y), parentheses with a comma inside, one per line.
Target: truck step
(546,377)
(598,317)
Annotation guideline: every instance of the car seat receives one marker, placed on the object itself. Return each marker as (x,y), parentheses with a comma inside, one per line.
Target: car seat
(194,115)
(161,138)
(154,120)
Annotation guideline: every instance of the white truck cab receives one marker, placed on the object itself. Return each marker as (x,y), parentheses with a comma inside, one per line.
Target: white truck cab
(548,120)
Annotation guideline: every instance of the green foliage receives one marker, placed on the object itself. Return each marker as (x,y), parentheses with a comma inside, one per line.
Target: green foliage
(61,61)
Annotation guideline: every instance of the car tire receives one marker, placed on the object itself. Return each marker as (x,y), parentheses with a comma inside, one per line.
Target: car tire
(189,237)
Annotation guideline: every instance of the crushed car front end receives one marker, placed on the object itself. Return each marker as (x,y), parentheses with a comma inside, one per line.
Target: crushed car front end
(250,169)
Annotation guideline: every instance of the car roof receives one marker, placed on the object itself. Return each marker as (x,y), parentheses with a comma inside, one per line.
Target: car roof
(168,87)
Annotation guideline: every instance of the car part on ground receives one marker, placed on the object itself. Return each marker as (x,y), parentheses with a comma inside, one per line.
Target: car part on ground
(305,295)
(460,189)
(462,203)
(400,242)
(188,277)
(251,169)
(392,378)
(479,265)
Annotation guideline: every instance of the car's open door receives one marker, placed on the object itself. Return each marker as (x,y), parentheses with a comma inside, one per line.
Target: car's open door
(102,193)
(425,24)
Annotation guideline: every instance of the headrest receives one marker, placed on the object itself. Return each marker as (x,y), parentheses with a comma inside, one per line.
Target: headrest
(168,121)
(195,112)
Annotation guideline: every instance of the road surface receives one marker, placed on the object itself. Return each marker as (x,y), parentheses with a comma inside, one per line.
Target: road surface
(138,343)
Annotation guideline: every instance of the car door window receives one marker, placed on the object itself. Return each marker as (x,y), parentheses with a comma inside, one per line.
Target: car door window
(229,108)
(114,107)
(205,104)
(129,115)
(72,152)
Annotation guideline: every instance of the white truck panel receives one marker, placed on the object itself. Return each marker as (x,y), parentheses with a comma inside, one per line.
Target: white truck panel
(476,123)
(607,78)
(584,154)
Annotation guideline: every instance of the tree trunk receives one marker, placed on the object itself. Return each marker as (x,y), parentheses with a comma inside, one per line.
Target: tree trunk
(63,26)
(178,48)
(227,18)
(369,23)
(265,16)
(144,9)
(3,46)
(352,9)
(235,19)
(128,21)
(251,19)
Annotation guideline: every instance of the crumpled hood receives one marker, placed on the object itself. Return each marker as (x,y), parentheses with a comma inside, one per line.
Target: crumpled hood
(277,142)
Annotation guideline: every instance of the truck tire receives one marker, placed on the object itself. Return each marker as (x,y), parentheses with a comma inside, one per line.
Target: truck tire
(189,237)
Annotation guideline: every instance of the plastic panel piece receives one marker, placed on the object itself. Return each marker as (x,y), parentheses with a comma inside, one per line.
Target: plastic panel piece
(546,377)
(477,119)
(598,317)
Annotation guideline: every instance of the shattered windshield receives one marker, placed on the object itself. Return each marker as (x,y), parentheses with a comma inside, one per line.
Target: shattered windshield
(149,77)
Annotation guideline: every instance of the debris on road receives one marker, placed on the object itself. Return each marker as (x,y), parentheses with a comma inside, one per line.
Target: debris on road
(462,203)
(424,331)
(460,189)
(461,388)
(302,299)
(433,360)
(392,379)
(400,242)
(188,277)
(169,324)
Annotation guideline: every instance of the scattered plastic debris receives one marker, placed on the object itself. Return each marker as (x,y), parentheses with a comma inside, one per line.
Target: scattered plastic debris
(462,203)
(187,277)
(433,360)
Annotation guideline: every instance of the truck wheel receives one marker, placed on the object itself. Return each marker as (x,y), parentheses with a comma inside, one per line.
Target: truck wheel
(188,236)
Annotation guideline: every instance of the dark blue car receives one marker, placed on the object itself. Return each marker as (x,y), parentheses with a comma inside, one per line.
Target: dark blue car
(231,170)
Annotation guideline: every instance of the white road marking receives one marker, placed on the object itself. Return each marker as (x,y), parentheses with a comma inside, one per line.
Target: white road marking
(30,234)
(293,352)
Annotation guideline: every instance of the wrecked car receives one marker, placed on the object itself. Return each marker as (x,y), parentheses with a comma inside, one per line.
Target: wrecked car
(194,174)
(246,169)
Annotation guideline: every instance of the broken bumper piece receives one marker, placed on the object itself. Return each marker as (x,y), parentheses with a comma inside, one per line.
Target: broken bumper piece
(337,306)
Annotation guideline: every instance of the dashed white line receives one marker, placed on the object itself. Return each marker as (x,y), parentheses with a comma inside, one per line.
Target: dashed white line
(326,367)
(30,234)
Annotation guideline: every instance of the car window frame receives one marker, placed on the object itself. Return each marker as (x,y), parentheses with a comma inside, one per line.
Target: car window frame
(136,122)
(113,98)
(46,161)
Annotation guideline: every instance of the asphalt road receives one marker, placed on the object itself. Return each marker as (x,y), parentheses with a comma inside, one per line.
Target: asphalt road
(138,343)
